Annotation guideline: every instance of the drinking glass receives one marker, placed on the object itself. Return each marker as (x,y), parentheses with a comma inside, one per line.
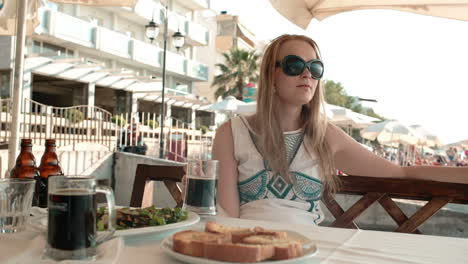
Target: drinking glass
(71,225)
(200,192)
(16,196)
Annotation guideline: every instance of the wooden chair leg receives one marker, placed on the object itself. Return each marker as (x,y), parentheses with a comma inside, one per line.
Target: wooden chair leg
(175,192)
(138,188)
(356,210)
(335,208)
(394,211)
(423,214)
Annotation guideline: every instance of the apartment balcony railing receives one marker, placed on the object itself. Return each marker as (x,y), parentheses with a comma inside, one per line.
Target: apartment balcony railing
(147,53)
(197,70)
(113,42)
(197,4)
(176,63)
(198,33)
(176,22)
(68,28)
(77,31)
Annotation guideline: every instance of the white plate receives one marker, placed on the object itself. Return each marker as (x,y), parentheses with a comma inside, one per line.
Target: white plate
(192,218)
(308,246)
(40,222)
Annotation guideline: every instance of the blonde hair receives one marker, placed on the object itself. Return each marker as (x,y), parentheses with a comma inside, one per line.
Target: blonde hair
(271,144)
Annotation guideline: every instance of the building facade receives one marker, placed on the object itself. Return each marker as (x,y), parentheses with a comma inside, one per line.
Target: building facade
(99,56)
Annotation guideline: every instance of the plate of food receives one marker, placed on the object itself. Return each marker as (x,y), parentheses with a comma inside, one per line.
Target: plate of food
(218,244)
(134,221)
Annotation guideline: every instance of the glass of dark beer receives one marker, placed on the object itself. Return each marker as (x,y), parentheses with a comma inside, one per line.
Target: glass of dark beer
(71,230)
(200,192)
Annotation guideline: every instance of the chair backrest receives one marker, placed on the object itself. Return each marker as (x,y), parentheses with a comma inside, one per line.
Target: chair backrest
(382,190)
(170,175)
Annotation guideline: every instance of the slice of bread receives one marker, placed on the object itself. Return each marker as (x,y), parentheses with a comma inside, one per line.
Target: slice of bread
(193,243)
(237,233)
(243,253)
(236,244)
(278,234)
(284,248)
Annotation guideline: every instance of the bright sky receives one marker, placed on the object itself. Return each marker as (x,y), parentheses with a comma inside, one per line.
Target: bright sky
(415,66)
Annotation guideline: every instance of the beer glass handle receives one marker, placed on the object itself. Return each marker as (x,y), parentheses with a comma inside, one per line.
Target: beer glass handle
(111,219)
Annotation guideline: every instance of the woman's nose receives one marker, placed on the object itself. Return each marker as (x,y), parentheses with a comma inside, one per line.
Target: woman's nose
(306,73)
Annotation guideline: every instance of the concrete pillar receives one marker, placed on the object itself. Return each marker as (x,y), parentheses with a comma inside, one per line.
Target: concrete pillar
(193,119)
(168,115)
(27,91)
(134,107)
(91,94)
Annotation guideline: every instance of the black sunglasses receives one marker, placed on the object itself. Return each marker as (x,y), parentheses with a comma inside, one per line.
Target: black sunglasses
(293,65)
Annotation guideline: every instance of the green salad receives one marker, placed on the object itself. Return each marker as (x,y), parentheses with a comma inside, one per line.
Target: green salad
(141,217)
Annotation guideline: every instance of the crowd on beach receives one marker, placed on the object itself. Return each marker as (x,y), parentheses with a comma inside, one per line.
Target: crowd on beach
(451,156)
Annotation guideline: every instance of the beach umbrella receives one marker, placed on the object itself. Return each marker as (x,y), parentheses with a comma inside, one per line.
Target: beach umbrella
(19,17)
(461,144)
(247,108)
(346,117)
(229,105)
(390,131)
(426,138)
(301,12)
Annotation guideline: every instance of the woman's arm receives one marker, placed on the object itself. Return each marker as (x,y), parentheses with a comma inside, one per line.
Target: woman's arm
(223,150)
(354,159)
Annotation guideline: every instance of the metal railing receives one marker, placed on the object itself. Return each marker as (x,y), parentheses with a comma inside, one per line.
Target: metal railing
(73,125)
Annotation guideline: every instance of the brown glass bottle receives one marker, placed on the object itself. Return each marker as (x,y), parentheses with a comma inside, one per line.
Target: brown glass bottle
(25,166)
(49,167)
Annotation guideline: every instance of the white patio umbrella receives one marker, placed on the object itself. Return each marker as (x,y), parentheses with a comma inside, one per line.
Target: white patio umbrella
(462,144)
(247,108)
(229,105)
(346,117)
(24,13)
(426,138)
(301,12)
(390,131)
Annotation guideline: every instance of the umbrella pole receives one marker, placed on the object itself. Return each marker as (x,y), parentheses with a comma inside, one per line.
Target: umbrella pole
(17,82)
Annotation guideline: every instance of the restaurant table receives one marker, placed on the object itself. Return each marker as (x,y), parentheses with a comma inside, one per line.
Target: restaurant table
(335,245)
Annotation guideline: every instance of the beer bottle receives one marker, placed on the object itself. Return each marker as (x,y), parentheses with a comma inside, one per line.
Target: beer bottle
(25,166)
(49,167)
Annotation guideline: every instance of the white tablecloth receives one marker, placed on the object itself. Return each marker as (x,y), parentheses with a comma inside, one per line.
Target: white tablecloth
(336,245)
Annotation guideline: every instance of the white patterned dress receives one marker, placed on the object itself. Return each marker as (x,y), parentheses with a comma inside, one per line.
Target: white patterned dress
(266,196)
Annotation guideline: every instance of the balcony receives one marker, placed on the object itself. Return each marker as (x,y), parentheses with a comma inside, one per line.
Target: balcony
(149,10)
(197,4)
(113,42)
(176,22)
(176,63)
(197,70)
(197,33)
(68,28)
(147,53)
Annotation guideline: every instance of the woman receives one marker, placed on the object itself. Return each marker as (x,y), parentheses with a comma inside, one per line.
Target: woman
(274,164)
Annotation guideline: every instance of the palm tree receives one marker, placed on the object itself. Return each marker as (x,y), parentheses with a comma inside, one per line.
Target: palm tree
(240,68)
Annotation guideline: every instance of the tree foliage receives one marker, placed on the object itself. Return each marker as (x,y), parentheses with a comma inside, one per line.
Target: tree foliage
(336,94)
(240,68)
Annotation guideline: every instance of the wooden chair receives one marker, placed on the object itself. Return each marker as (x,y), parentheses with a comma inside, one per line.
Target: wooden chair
(382,190)
(170,175)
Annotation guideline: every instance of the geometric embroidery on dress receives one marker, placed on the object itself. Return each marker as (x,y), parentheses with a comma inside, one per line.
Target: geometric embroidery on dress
(253,188)
(307,188)
(278,186)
